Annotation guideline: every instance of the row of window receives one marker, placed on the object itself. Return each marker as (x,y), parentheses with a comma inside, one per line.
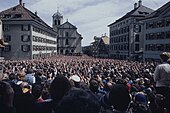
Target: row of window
(123,47)
(42,48)
(157,24)
(119,47)
(9,16)
(120,24)
(24,48)
(38,30)
(24,38)
(123,38)
(159,35)
(119,31)
(43,40)
(6,27)
(157,47)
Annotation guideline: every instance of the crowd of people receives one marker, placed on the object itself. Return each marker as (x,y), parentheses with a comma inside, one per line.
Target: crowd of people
(82,84)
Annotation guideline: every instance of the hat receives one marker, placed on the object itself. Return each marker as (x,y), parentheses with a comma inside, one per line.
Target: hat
(140,97)
(75,78)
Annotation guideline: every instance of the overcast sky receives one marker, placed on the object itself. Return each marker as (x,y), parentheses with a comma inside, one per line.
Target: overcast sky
(91,17)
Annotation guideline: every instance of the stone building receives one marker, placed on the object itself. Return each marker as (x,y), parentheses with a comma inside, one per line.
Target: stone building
(157,33)
(27,35)
(68,39)
(126,37)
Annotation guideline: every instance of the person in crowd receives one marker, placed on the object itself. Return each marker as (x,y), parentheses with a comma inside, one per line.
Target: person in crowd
(118,99)
(6,98)
(162,78)
(78,101)
(140,103)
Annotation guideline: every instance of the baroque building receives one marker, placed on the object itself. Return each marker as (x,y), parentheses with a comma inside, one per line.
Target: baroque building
(157,33)
(68,38)
(27,35)
(126,37)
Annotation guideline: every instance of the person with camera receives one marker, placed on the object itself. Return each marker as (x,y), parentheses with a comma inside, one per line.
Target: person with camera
(6,98)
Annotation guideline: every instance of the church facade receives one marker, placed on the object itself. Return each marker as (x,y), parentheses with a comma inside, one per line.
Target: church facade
(68,38)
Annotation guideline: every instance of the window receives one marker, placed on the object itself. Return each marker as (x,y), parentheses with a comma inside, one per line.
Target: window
(72,50)
(159,47)
(7,48)
(168,22)
(160,23)
(160,35)
(25,38)
(7,38)
(6,27)
(17,16)
(55,22)
(66,34)
(167,47)
(67,42)
(136,47)
(168,34)
(7,16)
(61,51)
(59,22)
(25,27)
(137,38)
(25,48)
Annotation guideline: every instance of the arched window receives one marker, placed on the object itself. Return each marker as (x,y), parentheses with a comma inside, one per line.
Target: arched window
(59,22)
(61,51)
(55,22)
(66,41)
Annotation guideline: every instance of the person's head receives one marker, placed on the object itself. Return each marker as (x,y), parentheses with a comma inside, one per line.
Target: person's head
(165,56)
(59,87)
(94,85)
(37,90)
(76,80)
(78,101)
(119,97)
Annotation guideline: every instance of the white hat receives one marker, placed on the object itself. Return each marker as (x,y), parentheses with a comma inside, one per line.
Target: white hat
(75,78)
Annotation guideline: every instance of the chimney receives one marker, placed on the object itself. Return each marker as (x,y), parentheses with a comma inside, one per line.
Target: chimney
(139,3)
(135,5)
(20,2)
(36,13)
(23,4)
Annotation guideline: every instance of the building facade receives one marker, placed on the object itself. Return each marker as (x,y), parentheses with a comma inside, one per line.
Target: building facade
(157,33)
(27,35)
(100,47)
(68,39)
(126,37)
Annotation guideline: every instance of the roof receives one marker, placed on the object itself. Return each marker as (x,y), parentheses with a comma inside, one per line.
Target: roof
(57,14)
(19,12)
(68,25)
(163,11)
(140,11)
(105,40)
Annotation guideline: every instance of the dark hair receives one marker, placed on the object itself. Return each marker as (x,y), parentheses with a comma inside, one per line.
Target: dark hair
(78,101)
(37,90)
(94,85)
(119,97)
(2,89)
(59,86)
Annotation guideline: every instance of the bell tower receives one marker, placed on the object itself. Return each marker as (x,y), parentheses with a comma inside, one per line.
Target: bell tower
(57,20)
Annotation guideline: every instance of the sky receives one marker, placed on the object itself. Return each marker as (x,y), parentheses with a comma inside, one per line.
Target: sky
(91,17)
